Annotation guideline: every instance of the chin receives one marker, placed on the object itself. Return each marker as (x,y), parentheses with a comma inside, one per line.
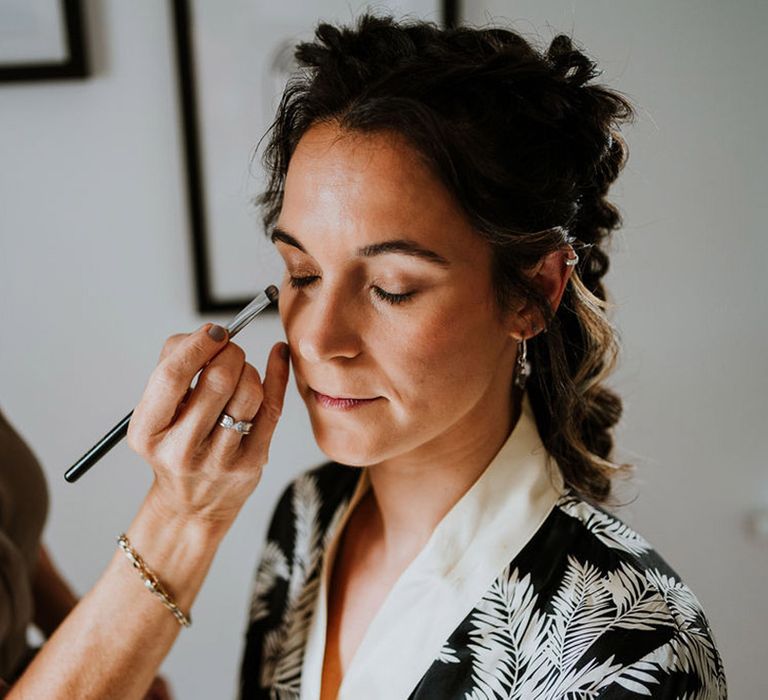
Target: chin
(350,447)
(347,451)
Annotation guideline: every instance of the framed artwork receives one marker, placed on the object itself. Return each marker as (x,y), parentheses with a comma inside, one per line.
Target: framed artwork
(42,40)
(233,64)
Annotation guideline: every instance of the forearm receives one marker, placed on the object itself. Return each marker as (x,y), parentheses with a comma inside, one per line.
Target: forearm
(115,639)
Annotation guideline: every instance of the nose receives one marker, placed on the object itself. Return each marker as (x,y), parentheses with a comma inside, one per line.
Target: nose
(328,327)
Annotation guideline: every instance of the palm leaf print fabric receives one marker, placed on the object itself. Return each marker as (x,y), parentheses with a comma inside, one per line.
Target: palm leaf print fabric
(587,609)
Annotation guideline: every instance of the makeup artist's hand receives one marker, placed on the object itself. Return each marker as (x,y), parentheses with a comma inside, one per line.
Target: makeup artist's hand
(203,471)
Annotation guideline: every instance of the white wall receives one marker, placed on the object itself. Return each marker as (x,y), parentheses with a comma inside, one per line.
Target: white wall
(95,272)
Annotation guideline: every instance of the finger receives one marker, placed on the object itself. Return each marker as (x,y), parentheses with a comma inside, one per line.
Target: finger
(243,405)
(256,445)
(169,382)
(182,405)
(214,389)
(171,343)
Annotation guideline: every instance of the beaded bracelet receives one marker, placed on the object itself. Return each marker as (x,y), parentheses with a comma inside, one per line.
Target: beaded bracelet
(151,581)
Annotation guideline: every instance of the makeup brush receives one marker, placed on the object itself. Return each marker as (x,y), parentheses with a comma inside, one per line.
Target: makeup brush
(261,302)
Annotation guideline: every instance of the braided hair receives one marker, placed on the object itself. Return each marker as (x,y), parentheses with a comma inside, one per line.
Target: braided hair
(528,145)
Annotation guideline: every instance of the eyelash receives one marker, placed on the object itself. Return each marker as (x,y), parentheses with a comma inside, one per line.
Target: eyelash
(394,299)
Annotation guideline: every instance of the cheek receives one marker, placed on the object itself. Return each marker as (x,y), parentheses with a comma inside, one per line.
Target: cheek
(445,356)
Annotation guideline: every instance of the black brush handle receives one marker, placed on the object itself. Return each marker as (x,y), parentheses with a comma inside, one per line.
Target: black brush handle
(98,450)
(262,301)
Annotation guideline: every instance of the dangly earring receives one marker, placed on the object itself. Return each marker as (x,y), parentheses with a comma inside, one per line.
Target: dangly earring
(522,366)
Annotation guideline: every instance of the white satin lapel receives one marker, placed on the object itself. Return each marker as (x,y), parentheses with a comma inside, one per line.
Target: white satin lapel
(314,651)
(470,546)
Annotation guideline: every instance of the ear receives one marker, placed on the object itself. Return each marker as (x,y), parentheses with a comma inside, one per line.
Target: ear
(549,276)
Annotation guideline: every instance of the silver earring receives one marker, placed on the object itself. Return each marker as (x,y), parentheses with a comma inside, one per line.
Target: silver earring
(522,366)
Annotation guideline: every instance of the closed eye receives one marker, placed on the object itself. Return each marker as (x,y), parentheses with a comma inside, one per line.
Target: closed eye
(389,297)
(299,282)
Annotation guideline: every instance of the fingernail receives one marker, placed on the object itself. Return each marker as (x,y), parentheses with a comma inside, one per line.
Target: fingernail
(217,333)
(285,351)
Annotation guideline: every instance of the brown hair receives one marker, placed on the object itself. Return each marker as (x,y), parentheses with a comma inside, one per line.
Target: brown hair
(529,147)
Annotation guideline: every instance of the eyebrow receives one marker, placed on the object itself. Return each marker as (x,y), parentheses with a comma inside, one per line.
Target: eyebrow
(399,245)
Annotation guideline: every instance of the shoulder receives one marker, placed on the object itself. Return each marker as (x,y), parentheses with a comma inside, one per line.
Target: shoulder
(607,532)
(586,609)
(643,600)
(607,541)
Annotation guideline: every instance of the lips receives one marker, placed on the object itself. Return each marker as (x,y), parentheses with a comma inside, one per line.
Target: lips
(339,402)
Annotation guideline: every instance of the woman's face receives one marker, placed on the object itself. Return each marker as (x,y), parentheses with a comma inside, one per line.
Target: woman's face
(387,297)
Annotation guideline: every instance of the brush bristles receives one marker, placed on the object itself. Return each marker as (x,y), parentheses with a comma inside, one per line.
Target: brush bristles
(272,292)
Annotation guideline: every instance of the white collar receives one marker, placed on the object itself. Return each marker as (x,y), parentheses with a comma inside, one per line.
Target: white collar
(468,549)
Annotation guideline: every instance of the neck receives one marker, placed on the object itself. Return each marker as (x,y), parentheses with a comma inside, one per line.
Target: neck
(411,494)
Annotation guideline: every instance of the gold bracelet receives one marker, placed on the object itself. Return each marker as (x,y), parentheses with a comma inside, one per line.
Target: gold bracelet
(151,581)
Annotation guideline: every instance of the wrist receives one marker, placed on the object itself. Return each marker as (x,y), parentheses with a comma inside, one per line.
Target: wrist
(179,549)
(199,527)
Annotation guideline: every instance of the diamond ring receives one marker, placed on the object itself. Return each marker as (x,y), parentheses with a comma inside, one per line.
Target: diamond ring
(241,426)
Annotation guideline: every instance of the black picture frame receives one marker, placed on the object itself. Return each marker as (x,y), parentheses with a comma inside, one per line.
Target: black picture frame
(75,63)
(207,300)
